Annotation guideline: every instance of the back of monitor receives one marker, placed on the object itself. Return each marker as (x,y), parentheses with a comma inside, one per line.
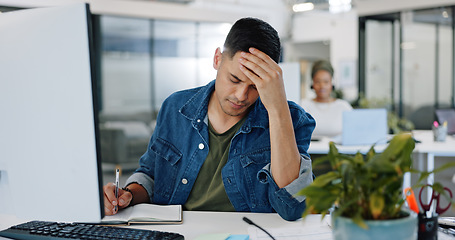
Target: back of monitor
(49,168)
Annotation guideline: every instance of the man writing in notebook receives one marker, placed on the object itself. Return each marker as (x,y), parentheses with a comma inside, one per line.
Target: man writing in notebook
(235,144)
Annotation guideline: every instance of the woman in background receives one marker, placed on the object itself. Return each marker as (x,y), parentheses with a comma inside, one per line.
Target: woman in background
(325,109)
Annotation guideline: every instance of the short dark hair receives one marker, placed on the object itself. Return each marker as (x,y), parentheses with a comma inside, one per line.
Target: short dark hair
(322,65)
(253,32)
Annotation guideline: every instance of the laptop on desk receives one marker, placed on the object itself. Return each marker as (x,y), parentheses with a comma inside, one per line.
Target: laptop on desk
(364,127)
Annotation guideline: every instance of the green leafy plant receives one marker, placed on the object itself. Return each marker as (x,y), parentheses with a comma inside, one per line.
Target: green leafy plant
(365,187)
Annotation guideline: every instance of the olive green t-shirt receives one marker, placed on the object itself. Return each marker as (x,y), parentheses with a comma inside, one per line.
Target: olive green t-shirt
(208,193)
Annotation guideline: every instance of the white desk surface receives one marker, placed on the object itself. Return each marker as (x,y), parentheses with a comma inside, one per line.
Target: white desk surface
(196,224)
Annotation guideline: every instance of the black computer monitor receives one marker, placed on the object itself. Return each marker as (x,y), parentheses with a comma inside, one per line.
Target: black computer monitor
(49,158)
(446,115)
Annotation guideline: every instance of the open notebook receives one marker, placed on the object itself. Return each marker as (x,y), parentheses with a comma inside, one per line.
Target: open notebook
(364,127)
(146,214)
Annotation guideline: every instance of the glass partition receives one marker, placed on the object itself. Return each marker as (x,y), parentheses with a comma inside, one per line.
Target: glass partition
(143,61)
(428,64)
(174,58)
(379,48)
(126,65)
(407,58)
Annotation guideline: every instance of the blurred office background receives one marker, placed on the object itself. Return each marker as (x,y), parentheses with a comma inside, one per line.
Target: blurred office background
(395,54)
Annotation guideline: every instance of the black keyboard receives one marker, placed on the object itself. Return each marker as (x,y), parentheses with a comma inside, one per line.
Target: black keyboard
(54,230)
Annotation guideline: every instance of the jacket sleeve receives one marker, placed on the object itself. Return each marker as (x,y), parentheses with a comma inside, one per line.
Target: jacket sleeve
(284,200)
(144,180)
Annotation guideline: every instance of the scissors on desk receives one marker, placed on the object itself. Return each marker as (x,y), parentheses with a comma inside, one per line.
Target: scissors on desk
(436,197)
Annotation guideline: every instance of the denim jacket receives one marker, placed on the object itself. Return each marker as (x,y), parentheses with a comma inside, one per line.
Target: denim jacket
(179,146)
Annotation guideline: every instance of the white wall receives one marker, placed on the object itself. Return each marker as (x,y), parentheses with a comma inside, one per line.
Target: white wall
(291,79)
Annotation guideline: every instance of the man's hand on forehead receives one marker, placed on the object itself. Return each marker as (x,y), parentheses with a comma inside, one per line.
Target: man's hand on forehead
(266,74)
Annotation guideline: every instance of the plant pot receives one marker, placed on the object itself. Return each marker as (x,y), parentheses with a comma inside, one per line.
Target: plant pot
(402,228)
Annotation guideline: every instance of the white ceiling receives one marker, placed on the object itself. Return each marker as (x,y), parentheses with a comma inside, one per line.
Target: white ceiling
(132,7)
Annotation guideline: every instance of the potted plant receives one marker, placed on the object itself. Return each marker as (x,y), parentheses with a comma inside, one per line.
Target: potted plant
(365,192)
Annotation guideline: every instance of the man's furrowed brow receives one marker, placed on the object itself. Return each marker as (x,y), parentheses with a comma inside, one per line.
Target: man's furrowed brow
(240,80)
(236,77)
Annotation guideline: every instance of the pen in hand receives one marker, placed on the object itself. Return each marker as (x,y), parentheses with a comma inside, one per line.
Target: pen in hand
(116,187)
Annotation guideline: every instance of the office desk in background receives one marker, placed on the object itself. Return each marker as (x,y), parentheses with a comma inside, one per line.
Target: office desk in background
(321,146)
(426,148)
(432,149)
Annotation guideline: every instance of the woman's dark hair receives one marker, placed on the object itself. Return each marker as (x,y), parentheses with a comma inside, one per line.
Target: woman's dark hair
(253,32)
(322,65)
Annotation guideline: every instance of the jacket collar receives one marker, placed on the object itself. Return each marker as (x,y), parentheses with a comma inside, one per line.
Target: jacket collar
(196,109)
